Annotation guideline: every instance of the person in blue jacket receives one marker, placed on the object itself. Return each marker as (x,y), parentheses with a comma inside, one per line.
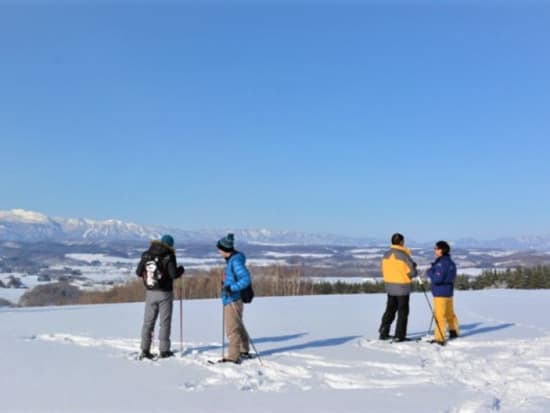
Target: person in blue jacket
(236,278)
(442,274)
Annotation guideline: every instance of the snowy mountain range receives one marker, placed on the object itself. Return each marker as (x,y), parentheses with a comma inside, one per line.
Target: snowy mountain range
(22,225)
(30,226)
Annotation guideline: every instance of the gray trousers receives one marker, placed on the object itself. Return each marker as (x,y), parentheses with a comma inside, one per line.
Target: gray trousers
(157,303)
(238,340)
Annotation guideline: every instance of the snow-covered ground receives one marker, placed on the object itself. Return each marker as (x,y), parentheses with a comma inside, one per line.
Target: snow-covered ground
(290,254)
(319,354)
(493,253)
(347,280)
(97,267)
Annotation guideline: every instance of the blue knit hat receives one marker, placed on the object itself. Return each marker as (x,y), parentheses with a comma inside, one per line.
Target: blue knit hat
(226,243)
(168,240)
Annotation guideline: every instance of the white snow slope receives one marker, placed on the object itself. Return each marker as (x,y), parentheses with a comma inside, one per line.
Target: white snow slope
(319,354)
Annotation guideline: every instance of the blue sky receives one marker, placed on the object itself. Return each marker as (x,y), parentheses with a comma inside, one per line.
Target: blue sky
(359,119)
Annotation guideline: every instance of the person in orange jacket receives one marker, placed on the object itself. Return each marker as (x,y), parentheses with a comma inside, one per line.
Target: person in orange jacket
(398,269)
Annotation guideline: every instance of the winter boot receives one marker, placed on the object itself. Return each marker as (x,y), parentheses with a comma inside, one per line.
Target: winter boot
(166,354)
(384,333)
(226,360)
(453,334)
(246,355)
(146,354)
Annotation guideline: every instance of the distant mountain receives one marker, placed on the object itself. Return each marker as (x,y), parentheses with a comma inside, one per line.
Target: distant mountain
(535,242)
(22,225)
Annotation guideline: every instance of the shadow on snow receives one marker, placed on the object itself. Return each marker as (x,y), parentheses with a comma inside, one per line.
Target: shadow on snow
(329,342)
(274,339)
(467,330)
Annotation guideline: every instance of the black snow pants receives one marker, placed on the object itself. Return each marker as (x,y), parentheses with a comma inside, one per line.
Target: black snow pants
(396,304)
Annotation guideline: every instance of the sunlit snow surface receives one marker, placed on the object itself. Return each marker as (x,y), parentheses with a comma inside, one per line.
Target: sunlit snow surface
(319,354)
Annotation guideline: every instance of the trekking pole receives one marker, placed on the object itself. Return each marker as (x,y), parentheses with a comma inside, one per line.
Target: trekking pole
(433,315)
(181,315)
(246,332)
(223,331)
(430,326)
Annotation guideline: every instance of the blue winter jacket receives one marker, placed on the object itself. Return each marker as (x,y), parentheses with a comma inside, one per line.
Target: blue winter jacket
(443,275)
(237,277)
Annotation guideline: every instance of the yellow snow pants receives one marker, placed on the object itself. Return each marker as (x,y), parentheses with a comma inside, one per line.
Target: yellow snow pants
(445,316)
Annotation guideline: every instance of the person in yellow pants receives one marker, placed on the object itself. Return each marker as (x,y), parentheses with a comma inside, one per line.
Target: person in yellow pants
(446,317)
(442,274)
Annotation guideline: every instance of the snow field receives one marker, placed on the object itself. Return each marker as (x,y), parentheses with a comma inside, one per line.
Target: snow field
(318,353)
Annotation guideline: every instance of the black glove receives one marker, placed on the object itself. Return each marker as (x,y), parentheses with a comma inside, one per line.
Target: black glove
(227,289)
(181,270)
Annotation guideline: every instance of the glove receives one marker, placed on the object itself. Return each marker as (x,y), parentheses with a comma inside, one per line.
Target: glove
(227,289)
(181,270)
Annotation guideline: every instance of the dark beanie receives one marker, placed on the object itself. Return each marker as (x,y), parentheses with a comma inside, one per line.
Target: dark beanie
(168,240)
(226,243)
(397,238)
(444,247)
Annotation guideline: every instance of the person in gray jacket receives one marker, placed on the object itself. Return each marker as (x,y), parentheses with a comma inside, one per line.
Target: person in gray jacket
(159,269)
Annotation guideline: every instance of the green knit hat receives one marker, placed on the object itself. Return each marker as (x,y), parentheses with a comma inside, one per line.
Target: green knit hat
(227,243)
(168,240)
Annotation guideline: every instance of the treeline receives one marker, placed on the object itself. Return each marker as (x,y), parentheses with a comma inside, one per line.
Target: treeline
(287,280)
(267,281)
(274,281)
(525,278)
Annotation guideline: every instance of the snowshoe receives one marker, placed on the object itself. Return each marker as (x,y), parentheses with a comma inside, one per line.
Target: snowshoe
(226,360)
(401,339)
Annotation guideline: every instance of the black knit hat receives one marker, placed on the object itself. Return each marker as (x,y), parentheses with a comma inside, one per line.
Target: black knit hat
(397,238)
(226,243)
(444,247)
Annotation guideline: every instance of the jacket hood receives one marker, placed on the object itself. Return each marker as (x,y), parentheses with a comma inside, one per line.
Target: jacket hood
(160,247)
(400,248)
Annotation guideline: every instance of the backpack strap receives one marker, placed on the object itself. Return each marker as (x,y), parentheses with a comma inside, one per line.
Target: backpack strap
(233,272)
